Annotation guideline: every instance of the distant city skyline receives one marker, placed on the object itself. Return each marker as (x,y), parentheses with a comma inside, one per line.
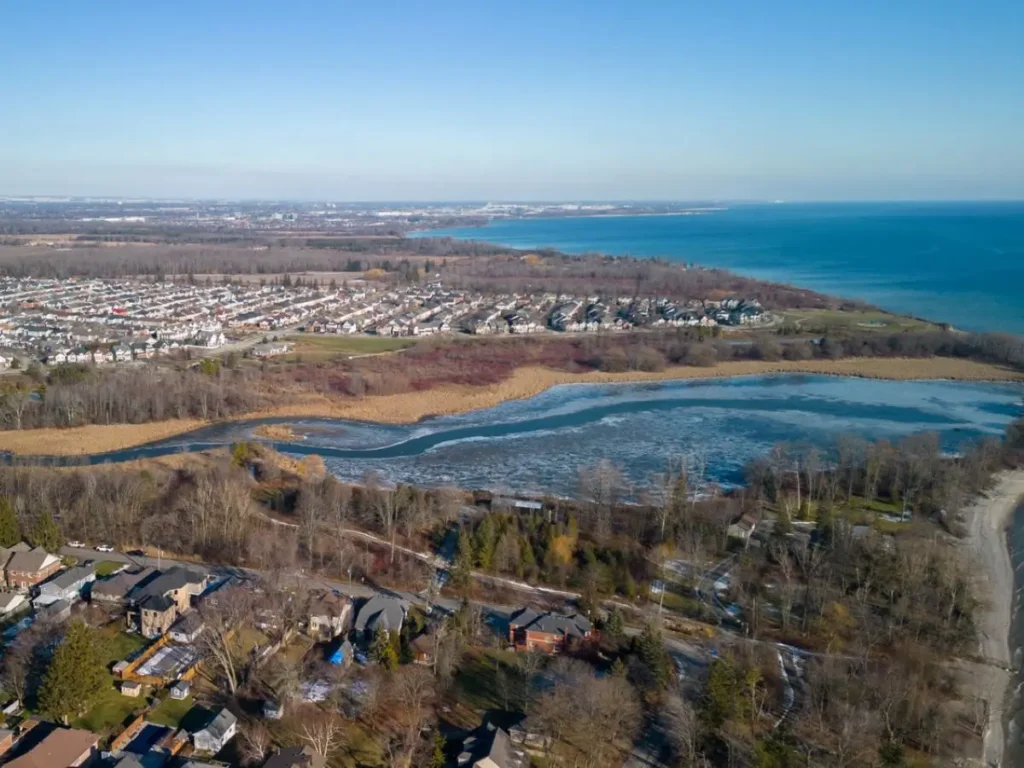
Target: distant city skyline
(536,102)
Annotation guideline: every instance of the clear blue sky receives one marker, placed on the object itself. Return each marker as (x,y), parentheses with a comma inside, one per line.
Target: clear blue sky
(513,100)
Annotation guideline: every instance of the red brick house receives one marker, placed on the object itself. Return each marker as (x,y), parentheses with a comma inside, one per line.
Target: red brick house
(26,569)
(548,632)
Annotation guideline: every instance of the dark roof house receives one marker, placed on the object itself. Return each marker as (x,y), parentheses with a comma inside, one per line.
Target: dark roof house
(381,611)
(489,747)
(296,757)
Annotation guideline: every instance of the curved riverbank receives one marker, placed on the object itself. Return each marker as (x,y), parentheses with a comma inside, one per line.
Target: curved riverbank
(408,408)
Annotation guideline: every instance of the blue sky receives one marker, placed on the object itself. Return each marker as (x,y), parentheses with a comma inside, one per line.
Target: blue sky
(525,100)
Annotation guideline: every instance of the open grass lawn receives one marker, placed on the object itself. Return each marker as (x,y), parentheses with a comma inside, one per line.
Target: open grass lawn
(320,347)
(360,748)
(858,320)
(477,685)
(120,645)
(171,712)
(107,567)
(248,638)
(110,711)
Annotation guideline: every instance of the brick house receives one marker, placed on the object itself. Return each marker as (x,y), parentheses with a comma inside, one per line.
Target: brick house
(26,569)
(548,632)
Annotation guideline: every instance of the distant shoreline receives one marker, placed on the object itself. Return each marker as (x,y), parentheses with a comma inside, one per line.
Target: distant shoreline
(526,382)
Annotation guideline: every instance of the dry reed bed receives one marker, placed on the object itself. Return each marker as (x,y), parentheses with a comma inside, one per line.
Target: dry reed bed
(523,383)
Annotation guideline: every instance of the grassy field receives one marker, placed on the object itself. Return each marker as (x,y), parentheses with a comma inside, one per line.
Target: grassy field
(120,645)
(321,347)
(171,712)
(110,711)
(107,567)
(854,320)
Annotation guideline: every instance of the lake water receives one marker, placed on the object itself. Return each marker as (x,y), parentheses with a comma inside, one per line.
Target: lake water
(961,263)
(539,445)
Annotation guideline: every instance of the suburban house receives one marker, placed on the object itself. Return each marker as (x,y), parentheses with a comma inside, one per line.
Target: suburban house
(380,611)
(329,615)
(155,614)
(117,588)
(489,747)
(178,583)
(217,733)
(549,632)
(296,757)
(26,569)
(61,748)
(156,603)
(11,602)
(6,553)
(66,585)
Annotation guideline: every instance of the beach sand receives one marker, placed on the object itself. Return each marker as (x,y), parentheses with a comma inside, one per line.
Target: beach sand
(988,519)
(409,407)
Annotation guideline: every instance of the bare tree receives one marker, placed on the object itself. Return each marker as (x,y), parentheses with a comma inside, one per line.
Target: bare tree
(323,731)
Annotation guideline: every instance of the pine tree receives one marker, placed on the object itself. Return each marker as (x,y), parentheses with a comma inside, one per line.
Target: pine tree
(75,676)
(382,650)
(462,568)
(10,531)
(45,534)
(437,759)
(615,625)
(650,648)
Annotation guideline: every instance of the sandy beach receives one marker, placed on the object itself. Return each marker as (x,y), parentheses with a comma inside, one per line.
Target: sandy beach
(410,407)
(988,519)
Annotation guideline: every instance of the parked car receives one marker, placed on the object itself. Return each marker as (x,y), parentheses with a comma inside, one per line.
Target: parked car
(104,548)
(75,544)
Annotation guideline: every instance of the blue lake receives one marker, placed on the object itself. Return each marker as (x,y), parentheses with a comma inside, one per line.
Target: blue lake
(961,263)
(539,445)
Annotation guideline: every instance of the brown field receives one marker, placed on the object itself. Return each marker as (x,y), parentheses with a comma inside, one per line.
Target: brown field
(524,382)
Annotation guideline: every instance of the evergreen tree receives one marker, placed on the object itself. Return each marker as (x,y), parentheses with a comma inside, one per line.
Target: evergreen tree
(383,651)
(615,626)
(649,648)
(10,531)
(75,676)
(45,534)
(437,759)
(462,568)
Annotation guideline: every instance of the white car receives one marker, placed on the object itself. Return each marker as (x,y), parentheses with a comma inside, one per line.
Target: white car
(104,548)
(76,544)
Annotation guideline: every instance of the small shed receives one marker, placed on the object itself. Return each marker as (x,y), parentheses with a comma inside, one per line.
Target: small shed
(131,688)
(341,655)
(119,668)
(273,710)
(180,690)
